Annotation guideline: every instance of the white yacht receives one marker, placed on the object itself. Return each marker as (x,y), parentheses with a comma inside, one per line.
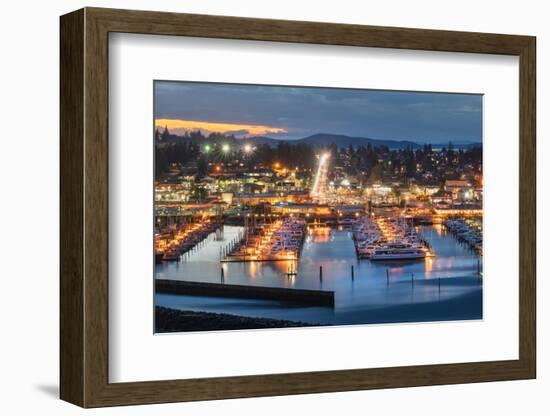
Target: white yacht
(397,251)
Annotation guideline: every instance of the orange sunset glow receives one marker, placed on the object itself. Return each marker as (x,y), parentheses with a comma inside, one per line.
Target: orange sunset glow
(192,125)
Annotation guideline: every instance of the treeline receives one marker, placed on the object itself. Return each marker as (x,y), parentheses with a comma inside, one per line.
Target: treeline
(174,153)
(381,162)
(217,148)
(373,162)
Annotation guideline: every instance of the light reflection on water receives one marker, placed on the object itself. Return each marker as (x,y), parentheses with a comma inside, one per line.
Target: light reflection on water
(375,284)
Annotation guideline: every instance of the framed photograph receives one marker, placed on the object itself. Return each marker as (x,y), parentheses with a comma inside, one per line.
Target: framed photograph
(260,207)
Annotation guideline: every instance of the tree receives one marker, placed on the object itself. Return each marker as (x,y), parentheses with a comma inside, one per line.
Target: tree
(161,162)
(397,194)
(376,173)
(202,167)
(198,193)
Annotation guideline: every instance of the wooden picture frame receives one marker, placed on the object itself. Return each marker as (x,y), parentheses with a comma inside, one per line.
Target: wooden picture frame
(84,207)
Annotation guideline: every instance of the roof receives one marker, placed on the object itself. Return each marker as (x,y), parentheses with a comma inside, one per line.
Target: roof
(449,182)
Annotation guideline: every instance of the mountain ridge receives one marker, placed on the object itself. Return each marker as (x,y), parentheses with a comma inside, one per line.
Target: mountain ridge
(342,140)
(326,139)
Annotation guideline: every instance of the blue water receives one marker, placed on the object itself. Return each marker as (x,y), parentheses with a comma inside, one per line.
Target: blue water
(443,287)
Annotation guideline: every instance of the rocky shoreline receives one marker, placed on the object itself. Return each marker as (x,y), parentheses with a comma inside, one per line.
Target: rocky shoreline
(173,320)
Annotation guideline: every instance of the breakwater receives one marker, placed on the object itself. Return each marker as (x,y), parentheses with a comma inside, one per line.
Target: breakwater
(297,296)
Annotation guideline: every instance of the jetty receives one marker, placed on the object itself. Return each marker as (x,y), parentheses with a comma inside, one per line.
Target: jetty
(295,296)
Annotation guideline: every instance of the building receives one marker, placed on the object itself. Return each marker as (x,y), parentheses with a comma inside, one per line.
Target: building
(459,189)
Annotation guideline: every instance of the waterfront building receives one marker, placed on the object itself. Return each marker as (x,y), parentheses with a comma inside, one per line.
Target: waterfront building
(458,188)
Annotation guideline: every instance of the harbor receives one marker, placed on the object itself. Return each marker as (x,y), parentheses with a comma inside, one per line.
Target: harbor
(258,225)
(362,288)
(325,261)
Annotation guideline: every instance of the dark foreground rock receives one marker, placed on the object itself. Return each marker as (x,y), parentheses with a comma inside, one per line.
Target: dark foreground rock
(173,320)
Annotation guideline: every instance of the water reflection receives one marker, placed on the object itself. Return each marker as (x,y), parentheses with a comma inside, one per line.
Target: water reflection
(452,273)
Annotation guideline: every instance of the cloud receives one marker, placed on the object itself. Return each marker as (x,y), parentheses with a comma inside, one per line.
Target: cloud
(180,126)
(301,111)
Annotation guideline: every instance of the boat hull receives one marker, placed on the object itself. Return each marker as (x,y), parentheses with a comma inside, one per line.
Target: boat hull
(385,257)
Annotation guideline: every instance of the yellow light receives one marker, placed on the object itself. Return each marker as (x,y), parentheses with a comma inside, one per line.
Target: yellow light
(193,125)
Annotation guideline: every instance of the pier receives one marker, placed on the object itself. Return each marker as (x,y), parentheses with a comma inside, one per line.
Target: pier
(280,240)
(467,231)
(297,296)
(180,239)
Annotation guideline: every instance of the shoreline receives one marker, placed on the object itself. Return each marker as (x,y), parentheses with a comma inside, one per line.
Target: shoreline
(175,320)
(464,307)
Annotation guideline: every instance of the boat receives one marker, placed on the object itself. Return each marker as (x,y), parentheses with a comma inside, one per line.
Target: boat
(397,251)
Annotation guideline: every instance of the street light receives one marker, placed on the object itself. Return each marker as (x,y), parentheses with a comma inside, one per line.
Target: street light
(225,148)
(207,148)
(247,148)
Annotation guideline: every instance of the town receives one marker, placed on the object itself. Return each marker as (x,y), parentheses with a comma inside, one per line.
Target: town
(281,191)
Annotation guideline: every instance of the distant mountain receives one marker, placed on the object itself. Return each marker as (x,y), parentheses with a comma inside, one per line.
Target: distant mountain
(341,140)
(325,139)
(264,140)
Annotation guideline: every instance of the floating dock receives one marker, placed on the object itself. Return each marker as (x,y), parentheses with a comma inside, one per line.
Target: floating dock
(297,296)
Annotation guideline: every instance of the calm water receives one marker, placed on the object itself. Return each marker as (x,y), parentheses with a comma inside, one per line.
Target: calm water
(446,286)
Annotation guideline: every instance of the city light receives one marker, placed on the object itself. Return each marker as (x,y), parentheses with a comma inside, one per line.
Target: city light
(319,183)
(227,199)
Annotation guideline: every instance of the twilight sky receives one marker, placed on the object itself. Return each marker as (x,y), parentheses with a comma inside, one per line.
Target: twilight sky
(296,112)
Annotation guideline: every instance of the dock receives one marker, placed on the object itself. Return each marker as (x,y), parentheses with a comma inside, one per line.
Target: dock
(281,240)
(296,296)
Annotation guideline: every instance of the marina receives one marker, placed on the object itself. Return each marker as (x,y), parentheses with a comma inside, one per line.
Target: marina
(313,227)
(279,240)
(467,231)
(323,263)
(388,239)
(363,289)
(177,239)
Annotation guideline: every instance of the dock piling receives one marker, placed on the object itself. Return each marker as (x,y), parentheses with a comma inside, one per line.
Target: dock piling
(387,277)
(352,273)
